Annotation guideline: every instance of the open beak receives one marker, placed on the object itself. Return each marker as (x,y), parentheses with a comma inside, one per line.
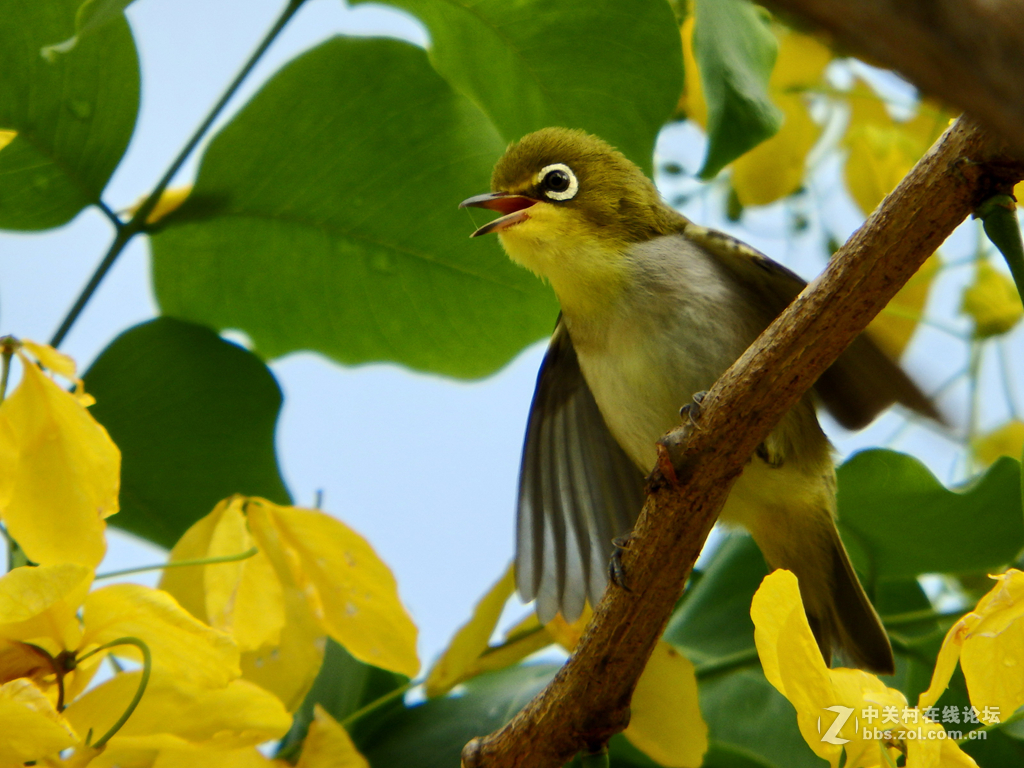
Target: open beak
(514,207)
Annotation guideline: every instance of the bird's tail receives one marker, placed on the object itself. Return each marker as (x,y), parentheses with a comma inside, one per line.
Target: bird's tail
(806,542)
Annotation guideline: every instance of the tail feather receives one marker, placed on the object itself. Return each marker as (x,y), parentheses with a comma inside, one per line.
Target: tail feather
(806,542)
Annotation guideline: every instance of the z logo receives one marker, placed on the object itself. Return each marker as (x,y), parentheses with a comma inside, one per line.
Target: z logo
(831,736)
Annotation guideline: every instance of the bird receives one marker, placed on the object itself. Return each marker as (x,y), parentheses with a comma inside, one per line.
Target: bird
(654,308)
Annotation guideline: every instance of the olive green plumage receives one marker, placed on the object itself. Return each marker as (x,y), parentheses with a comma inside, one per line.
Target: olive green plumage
(654,309)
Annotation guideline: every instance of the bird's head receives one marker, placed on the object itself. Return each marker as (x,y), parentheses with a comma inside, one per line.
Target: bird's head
(571,206)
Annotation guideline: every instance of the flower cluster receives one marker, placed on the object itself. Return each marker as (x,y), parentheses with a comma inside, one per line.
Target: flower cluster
(203,669)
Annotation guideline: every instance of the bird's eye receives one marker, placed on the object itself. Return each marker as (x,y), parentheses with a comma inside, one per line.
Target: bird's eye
(558,182)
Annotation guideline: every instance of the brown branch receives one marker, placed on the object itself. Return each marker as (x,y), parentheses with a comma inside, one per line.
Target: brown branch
(588,701)
(967,53)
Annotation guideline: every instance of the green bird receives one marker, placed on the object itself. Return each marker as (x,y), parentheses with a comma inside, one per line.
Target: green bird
(654,309)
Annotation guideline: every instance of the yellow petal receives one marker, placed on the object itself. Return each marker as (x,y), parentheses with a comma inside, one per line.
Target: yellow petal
(328,745)
(936,752)
(472,639)
(945,663)
(51,359)
(893,328)
(666,723)
(238,715)
(691,103)
(32,728)
(169,201)
(992,658)
(879,157)
(182,648)
(39,605)
(1007,440)
(992,302)
(205,757)
(241,597)
(288,667)
(524,639)
(568,635)
(67,474)
(357,595)
(790,656)
(775,168)
(6,137)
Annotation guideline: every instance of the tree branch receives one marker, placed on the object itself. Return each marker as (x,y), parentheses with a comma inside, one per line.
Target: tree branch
(968,53)
(588,701)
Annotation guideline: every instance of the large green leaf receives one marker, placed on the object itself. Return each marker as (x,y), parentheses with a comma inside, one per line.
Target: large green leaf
(745,713)
(325,217)
(714,620)
(898,520)
(73,115)
(194,417)
(92,16)
(433,733)
(608,67)
(735,52)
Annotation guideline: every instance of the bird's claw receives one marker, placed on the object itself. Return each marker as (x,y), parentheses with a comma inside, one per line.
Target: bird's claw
(691,411)
(616,571)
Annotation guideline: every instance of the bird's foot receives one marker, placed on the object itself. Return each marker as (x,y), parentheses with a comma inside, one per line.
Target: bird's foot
(691,411)
(769,457)
(616,571)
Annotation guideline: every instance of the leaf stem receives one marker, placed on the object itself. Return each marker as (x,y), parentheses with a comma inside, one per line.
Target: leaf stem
(127,230)
(147,668)
(378,703)
(181,564)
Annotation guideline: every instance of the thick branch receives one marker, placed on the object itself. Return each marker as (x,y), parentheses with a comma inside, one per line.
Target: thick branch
(968,53)
(588,701)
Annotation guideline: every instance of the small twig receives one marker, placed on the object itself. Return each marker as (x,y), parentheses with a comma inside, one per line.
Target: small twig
(181,564)
(127,230)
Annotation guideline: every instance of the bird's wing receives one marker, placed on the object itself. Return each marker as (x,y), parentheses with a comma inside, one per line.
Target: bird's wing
(863,381)
(577,490)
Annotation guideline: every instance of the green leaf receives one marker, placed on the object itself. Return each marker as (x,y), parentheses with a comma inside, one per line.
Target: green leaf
(92,16)
(325,217)
(73,116)
(713,622)
(432,734)
(575,63)
(746,714)
(735,52)
(343,686)
(194,417)
(898,520)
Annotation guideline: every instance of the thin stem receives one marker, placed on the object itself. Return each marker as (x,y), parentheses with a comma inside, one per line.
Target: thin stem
(147,667)
(182,564)
(378,703)
(127,230)
(110,214)
(6,353)
(914,617)
(727,663)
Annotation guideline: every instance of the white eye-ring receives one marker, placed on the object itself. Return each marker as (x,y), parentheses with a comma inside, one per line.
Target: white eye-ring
(558,182)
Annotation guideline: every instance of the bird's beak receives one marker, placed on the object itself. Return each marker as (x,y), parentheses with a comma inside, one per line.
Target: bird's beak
(513,206)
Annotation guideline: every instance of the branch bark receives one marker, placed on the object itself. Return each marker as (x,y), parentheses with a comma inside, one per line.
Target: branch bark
(588,700)
(968,53)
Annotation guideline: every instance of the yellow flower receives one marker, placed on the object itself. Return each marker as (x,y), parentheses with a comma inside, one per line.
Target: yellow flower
(61,473)
(840,709)
(32,728)
(989,644)
(992,302)
(313,577)
(193,695)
